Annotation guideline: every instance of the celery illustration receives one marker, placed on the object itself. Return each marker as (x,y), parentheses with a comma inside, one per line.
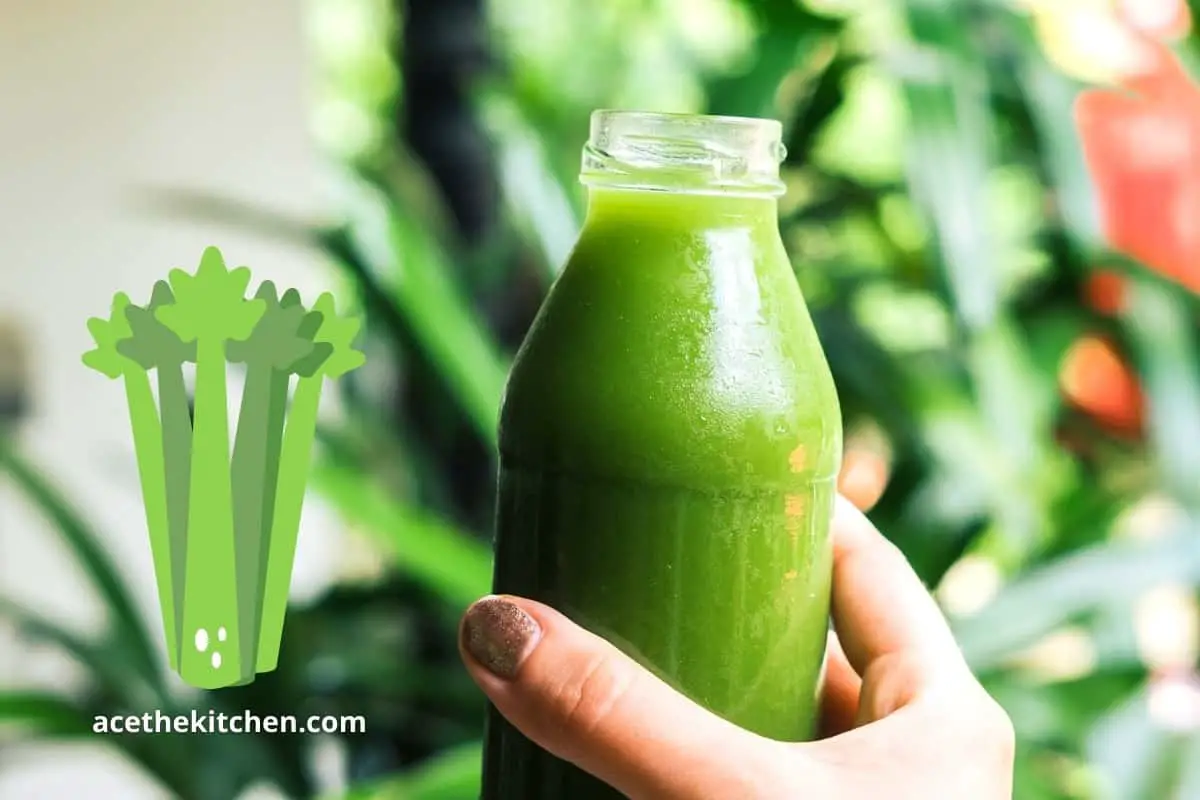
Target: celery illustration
(337,333)
(223,515)
(155,346)
(148,445)
(282,338)
(210,309)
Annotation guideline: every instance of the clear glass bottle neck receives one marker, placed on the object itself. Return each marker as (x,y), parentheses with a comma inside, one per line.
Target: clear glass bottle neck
(684,154)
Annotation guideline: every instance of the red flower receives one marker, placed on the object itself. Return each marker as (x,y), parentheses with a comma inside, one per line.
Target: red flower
(1143,151)
(1142,146)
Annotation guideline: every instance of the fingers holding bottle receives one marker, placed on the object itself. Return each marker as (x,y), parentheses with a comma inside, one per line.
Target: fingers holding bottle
(582,699)
(898,697)
(918,699)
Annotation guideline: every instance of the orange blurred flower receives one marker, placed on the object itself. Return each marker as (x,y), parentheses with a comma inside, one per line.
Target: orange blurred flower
(1095,379)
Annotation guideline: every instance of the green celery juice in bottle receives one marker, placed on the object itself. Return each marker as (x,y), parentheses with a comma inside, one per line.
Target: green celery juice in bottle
(670,438)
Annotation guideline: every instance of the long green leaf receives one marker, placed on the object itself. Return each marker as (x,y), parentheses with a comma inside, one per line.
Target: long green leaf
(1162,335)
(111,666)
(1052,595)
(435,553)
(406,259)
(1043,713)
(535,196)
(43,714)
(451,775)
(128,626)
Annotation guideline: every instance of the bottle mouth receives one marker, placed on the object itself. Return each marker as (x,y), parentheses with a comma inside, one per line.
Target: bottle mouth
(683,152)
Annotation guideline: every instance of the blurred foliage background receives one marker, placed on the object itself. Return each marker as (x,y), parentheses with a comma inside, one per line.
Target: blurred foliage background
(994,212)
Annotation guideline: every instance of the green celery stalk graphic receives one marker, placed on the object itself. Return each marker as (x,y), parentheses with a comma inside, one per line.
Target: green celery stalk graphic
(338,334)
(211,308)
(223,516)
(283,337)
(156,347)
(148,446)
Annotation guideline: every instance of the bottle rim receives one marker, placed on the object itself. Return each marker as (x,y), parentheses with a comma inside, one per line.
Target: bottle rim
(660,151)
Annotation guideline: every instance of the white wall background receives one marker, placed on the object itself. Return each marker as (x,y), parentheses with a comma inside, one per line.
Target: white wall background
(100,100)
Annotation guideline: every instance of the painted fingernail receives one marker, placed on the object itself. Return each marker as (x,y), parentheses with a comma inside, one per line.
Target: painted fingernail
(499,635)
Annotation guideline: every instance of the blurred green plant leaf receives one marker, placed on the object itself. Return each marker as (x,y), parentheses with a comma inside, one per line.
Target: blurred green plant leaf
(1051,595)
(1162,335)
(949,151)
(451,775)
(127,625)
(1136,758)
(785,30)
(45,713)
(112,666)
(535,196)
(866,137)
(406,260)
(1189,777)
(433,552)
(1046,714)
(1050,97)
(824,95)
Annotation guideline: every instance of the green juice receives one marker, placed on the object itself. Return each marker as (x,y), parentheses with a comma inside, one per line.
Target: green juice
(670,439)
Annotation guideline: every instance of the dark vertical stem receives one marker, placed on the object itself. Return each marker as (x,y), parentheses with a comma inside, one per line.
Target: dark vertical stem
(444,50)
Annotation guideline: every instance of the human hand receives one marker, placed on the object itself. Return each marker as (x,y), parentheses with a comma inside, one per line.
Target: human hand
(903,715)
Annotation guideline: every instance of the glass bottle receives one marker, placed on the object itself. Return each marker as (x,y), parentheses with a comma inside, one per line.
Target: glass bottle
(670,438)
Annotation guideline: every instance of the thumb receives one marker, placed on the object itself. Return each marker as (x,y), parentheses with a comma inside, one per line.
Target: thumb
(585,701)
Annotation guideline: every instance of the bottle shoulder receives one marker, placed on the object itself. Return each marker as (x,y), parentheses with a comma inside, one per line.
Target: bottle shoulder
(684,372)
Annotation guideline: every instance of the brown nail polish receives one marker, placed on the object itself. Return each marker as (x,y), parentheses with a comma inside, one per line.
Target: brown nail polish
(498,634)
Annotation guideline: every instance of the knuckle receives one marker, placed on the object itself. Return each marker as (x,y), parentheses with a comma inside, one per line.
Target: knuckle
(996,744)
(978,717)
(1002,732)
(588,700)
(993,729)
